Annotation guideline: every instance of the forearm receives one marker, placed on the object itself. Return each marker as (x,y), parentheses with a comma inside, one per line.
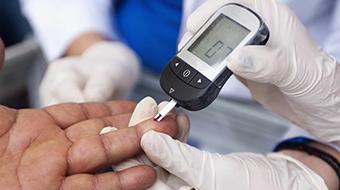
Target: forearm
(83,42)
(319,166)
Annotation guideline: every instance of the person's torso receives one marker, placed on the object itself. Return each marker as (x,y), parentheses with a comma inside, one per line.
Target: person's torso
(151,28)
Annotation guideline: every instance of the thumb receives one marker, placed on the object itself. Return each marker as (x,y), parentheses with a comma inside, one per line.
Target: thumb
(257,63)
(182,160)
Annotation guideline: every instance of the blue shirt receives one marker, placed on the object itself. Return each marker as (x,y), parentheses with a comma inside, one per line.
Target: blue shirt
(151,28)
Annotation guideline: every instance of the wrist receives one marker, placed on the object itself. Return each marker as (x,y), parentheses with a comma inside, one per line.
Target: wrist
(83,42)
(319,166)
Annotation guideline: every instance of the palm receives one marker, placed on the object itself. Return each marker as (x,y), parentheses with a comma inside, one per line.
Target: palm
(59,147)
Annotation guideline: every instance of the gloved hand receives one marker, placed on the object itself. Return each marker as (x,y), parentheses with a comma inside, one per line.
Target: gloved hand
(145,110)
(243,171)
(107,70)
(291,75)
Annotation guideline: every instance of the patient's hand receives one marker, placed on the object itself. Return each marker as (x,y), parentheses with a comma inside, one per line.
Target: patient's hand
(60,147)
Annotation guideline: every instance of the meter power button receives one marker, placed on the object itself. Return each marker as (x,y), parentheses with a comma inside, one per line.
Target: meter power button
(187,73)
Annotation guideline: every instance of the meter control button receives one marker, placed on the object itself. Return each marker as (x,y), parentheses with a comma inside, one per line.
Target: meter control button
(171,91)
(176,66)
(200,81)
(186,73)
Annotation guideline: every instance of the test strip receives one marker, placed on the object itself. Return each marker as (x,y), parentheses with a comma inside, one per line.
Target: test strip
(171,105)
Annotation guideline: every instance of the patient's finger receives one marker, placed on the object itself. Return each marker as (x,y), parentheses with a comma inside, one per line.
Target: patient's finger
(140,177)
(66,115)
(89,154)
(183,123)
(7,118)
(93,127)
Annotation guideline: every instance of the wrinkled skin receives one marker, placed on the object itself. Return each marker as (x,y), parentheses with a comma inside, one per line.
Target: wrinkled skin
(59,147)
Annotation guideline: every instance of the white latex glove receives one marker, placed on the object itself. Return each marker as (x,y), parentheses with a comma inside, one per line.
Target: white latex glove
(145,110)
(291,75)
(106,70)
(243,171)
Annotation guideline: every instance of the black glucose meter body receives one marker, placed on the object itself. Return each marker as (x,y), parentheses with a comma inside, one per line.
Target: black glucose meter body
(196,75)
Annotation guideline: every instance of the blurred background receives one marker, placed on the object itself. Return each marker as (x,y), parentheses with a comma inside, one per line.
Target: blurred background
(21,54)
(228,125)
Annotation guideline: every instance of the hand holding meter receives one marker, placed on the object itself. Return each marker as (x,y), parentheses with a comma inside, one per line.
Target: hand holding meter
(196,75)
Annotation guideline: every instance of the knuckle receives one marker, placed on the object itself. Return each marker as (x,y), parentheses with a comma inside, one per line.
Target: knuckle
(116,181)
(106,143)
(95,183)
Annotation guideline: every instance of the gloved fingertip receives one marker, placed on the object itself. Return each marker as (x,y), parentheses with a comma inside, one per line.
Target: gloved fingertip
(253,63)
(145,109)
(241,61)
(156,147)
(148,101)
(174,156)
(107,130)
(145,140)
(259,64)
(150,142)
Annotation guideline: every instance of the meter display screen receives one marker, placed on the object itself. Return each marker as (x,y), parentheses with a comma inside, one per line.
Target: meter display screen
(219,40)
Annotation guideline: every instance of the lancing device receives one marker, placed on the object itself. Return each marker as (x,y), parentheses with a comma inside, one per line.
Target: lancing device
(196,75)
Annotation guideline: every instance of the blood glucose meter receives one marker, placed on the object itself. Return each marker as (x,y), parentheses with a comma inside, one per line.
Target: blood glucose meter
(195,76)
